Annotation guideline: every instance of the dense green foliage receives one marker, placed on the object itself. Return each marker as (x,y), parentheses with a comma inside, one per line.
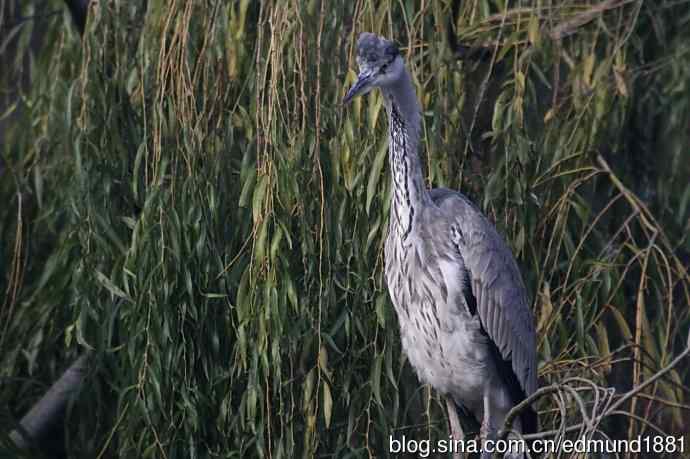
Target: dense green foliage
(184,194)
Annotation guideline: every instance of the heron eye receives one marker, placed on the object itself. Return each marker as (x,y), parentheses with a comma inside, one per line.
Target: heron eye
(383,68)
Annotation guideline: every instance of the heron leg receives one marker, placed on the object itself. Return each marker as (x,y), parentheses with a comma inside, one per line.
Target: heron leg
(485,432)
(455,427)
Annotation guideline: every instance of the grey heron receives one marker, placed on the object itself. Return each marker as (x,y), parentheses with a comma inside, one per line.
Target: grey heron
(462,308)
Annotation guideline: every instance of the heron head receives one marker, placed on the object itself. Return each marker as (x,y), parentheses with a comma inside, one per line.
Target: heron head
(380,65)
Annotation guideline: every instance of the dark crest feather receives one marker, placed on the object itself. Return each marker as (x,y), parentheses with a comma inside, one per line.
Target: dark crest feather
(373,48)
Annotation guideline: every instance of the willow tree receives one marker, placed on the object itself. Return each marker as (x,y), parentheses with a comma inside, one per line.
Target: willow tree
(185,198)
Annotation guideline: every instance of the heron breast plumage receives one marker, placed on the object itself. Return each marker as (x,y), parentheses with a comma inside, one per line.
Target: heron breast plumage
(442,339)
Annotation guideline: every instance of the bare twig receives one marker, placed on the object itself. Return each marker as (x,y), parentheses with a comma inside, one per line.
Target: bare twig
(590,421)
(569,27)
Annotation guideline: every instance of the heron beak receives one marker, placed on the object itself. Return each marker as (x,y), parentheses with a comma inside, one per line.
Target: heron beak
(361,87)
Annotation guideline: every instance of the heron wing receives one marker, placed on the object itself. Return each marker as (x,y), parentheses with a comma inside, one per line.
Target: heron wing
(496,287)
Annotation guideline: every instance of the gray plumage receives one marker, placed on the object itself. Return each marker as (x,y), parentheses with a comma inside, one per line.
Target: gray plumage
(461,304)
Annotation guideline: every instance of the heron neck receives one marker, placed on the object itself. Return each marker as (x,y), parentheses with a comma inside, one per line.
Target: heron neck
(409,189)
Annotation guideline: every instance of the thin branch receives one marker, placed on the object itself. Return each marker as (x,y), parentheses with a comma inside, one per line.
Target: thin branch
(569,27)
(612,408)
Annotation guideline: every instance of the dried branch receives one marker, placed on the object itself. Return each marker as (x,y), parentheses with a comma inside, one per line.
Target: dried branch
(35,427)
(591,423)
(569,27)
